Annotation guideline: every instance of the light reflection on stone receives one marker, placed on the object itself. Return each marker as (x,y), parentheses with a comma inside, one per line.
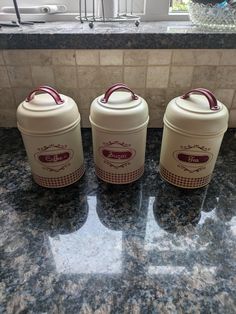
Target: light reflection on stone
(92,249)
(232,224)
(166,270)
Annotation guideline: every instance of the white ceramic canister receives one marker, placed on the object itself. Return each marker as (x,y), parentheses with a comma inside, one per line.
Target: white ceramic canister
(194,125)
(119,121)
(50,127)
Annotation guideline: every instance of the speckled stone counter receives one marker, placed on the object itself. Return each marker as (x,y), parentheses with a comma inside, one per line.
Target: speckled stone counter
(149,35)
(147,247)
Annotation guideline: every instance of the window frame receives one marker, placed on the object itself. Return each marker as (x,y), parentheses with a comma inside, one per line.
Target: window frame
(161,12)
(153,11)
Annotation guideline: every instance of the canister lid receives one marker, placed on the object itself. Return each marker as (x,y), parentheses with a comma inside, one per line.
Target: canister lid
(197,112)
(46,113)
(118,110)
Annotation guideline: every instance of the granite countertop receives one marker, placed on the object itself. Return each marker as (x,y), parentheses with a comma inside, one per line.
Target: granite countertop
(148,35)
(147,247)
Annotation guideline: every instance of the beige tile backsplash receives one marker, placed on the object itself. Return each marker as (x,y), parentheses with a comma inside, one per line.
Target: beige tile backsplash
(226,76)
(20,76)
(42,57)
(205,76)
(65,76)
(181,76)
(225,95)
(158,75)
(111,57)
(228,57)
(159,57)
(7,118)
(196,57)
(42,75)
(63,57)
(109,75)
(16,57)
(232,118)
(135,57)
(1,58)
(234,102)
(7,101)
(4,80)
(135,77)
(87,57)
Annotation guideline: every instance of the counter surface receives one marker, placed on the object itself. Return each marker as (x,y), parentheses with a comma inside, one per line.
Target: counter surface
(147,247)
(148,35)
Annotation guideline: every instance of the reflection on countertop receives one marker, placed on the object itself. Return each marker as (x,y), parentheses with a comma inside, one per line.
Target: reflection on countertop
(147,247)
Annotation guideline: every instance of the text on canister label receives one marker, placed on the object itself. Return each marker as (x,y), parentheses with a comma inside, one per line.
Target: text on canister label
(116,154)
(54,157)
(193,158)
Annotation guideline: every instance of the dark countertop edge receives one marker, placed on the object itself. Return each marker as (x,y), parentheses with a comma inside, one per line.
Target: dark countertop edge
(118,41)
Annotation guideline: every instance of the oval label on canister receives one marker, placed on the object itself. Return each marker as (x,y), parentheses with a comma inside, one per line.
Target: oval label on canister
(116,153)
(54,157)
(192,158)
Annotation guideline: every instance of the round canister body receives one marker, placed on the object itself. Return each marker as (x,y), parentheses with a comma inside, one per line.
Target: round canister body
(50,127)
(193,131)
(188,161)
(119,126)
(119,157)
(56,160)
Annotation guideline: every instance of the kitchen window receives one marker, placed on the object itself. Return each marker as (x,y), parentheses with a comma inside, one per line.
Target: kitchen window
(149,10)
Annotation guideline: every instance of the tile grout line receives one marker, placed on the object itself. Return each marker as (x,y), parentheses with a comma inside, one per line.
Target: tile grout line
(233,100)
(8,76)
(146,72)
(169,72)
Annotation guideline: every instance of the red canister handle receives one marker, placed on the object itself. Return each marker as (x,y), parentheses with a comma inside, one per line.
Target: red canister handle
(117,84)
(203,91)
(209,92)
(116,87)
(49,90)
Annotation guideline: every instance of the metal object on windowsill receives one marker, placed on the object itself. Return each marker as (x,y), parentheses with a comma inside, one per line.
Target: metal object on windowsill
(47,9)
(106,11)
(9,24)
(19,20)
(213,14)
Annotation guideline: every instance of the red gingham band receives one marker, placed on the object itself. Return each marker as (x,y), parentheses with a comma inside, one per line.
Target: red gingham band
(183,182)
(119,178)
(61,181)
